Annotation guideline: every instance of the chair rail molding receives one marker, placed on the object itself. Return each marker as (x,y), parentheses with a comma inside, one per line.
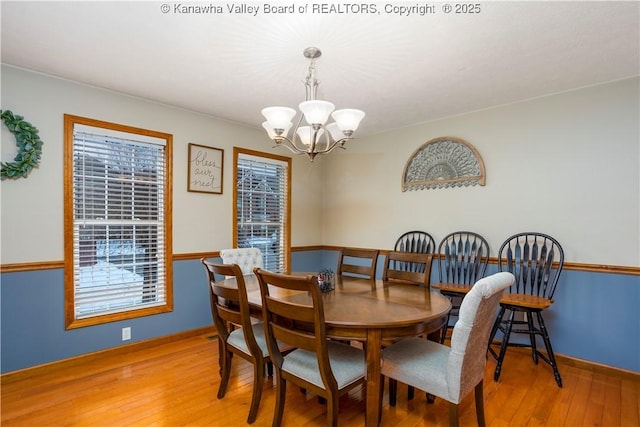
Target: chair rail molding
(441,163)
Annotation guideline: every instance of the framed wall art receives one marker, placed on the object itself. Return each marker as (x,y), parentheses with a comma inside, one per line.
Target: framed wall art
(441,163)
(205,167)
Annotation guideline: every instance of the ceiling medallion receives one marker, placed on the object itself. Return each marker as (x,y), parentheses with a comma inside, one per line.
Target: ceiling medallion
(441,163)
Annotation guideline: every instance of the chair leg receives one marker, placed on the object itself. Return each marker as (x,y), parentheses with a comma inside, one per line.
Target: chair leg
(480,404)
(453,415)
(269,369)
(393,391)
(281,391)
(443,334)
(532,336)
(505,343)
(258,380)
(411,392)
(380,399)
(225,372)
(494,330)
(220,353)
(332,410)
(547,343)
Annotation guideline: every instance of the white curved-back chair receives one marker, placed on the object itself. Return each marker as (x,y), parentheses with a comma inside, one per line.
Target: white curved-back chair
(451,372)
(246,258)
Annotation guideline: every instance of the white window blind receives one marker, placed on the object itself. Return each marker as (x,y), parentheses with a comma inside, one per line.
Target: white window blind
(261,207)
(118,221)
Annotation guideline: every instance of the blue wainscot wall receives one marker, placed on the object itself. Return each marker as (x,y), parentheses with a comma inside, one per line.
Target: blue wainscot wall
(595,316)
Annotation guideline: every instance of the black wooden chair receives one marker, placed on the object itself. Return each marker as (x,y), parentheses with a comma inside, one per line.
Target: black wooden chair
(415,241)
(536,261)
(462,261)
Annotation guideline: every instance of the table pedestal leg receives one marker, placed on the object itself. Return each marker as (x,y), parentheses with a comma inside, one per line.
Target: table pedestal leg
(373,345)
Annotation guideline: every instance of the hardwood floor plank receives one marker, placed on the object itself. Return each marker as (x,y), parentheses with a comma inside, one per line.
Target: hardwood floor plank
(548,394)
(612,402)
(630,415)
(560,406)
(175,384)
(540,388)
(518,367)
(580,399)
(595,402)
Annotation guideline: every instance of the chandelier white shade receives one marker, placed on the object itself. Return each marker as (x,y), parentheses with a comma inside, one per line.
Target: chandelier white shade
(319,137)
(305,133)
(278,117)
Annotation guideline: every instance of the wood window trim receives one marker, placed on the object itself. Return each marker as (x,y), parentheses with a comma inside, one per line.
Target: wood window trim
(237,151)
(70,321)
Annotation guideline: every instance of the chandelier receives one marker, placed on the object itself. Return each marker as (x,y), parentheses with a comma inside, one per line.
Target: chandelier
(318,137)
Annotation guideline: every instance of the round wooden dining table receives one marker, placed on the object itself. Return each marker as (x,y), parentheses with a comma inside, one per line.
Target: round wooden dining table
(371,312)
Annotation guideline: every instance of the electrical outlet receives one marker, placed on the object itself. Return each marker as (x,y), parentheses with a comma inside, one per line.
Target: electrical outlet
(126,333)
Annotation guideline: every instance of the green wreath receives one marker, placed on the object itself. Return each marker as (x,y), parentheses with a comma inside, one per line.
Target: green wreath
(29,146)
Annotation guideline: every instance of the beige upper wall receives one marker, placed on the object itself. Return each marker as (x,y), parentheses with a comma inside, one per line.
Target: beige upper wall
(32,208)
(567,165)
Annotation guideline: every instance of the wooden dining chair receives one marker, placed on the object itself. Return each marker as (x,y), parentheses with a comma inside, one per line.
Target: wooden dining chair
(536,261)
(396,271)
(395,268)
(246,258)
(462,260)
(420,242)
(358,262)
(321,366)
(230,309)
(450,372)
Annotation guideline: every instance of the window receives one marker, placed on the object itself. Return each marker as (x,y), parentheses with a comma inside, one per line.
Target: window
(262,206)
(117,222)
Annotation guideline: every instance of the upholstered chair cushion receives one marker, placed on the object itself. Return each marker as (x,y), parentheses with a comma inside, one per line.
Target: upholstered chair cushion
(236,339)
(246,258)
(347,364)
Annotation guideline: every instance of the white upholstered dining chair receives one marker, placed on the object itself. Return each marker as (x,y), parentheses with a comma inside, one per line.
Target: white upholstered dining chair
(451,372)
(246,258)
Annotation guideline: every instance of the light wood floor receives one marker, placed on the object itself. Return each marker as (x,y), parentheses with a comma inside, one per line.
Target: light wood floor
(175,384)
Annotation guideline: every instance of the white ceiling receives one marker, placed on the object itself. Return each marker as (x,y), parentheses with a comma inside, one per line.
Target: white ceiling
(401,70)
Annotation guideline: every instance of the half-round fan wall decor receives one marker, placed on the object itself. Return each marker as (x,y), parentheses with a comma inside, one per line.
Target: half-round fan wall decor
(441,163)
